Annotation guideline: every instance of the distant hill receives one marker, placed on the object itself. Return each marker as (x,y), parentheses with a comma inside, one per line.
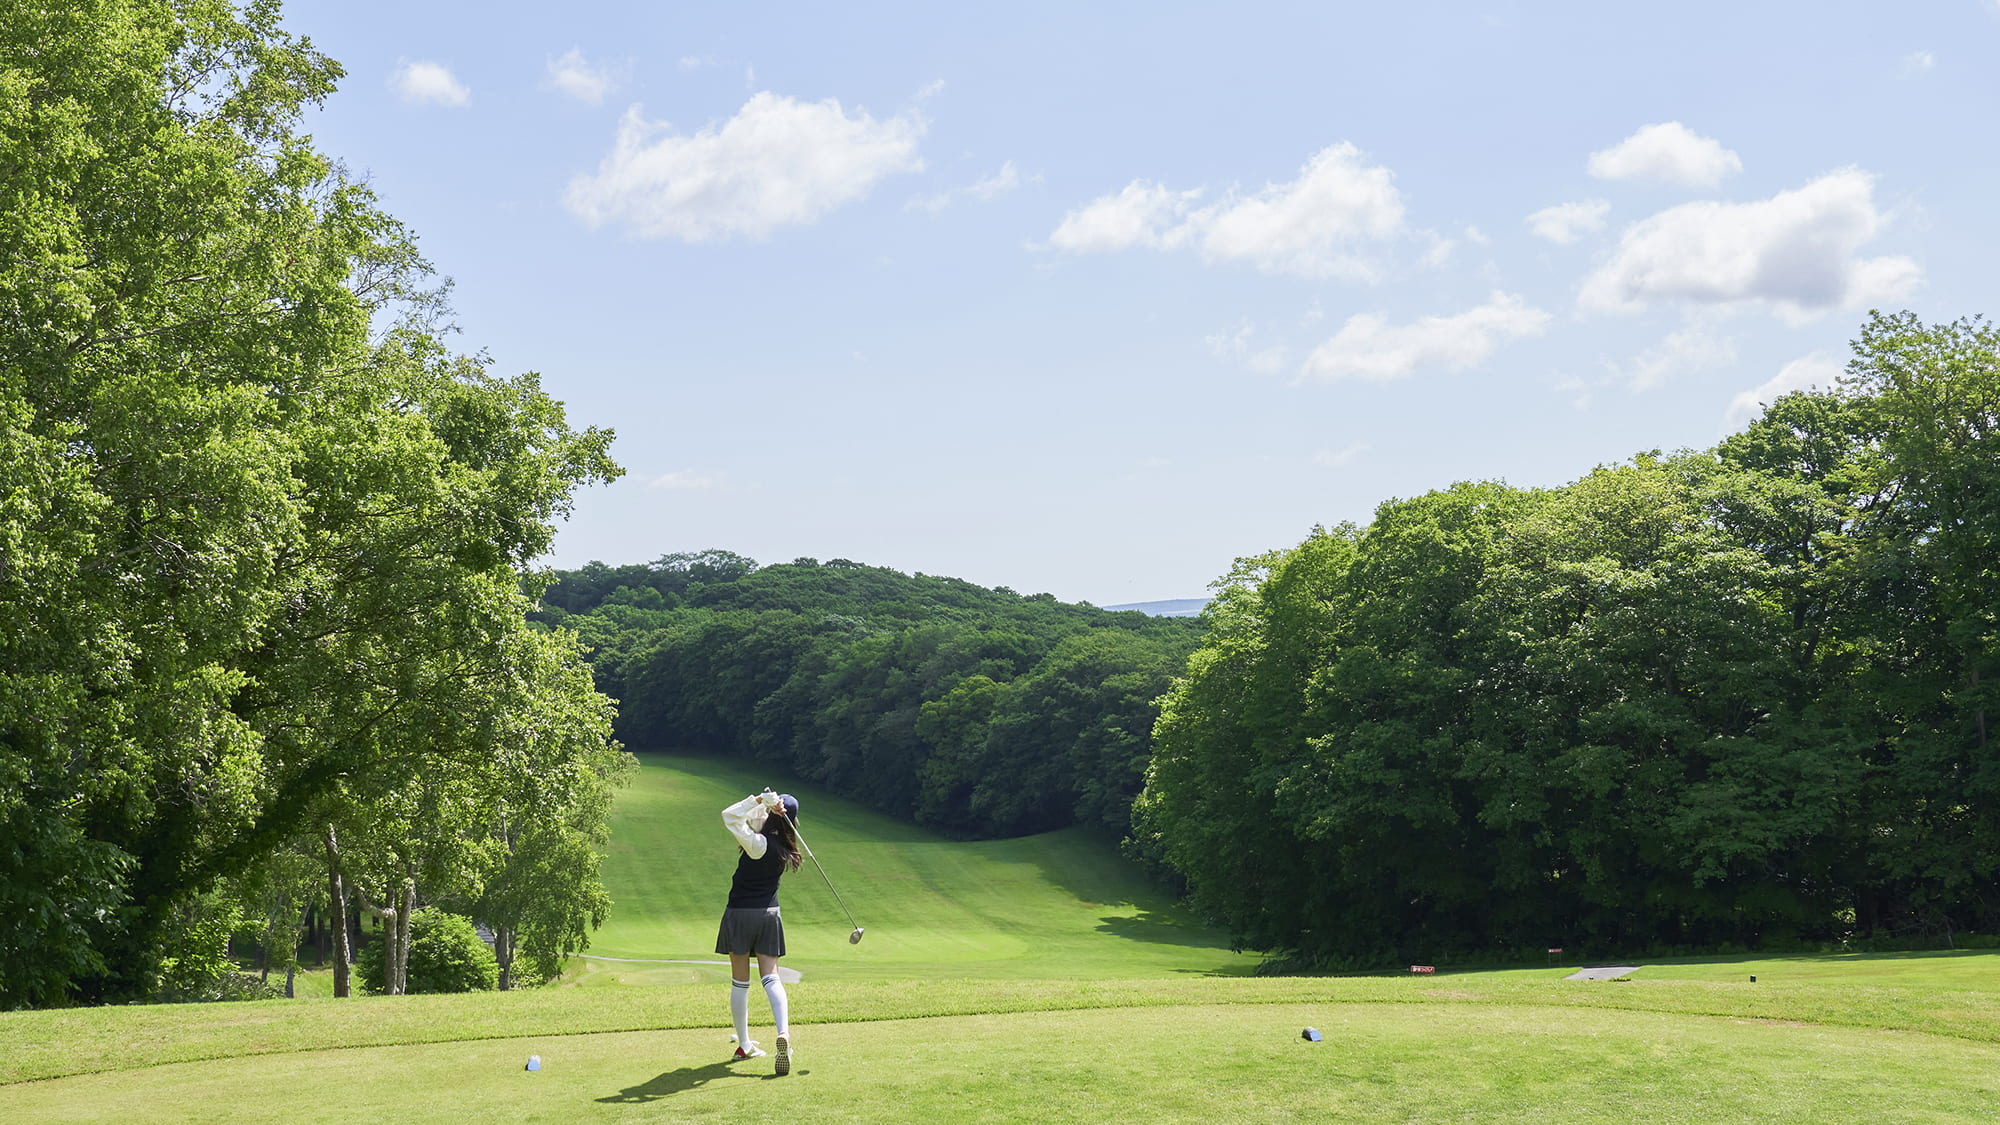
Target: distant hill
(1173,607)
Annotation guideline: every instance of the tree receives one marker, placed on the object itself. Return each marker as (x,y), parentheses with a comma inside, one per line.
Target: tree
(248,545)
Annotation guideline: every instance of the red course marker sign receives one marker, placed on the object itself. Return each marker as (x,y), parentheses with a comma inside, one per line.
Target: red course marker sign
(1423,968)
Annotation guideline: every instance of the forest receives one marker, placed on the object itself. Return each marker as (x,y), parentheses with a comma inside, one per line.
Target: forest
(977,712)
(1743,697)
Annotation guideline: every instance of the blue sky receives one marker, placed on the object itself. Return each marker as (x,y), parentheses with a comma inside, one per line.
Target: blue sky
(1093,299)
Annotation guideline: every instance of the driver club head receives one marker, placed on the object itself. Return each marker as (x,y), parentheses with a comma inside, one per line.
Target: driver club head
(855,937)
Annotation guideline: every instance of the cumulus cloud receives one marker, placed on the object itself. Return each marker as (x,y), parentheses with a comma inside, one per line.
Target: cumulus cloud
(778,162)
(1820,369)
(1793,253)
(1691,349)
(1567,222)
(1368,347)
(992,187)
(1314,226)
(1671,152)
(429,82)
(574,75)
(1143,214)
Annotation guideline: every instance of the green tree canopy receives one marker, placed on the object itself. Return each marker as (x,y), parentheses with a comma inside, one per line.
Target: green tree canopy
(251,549)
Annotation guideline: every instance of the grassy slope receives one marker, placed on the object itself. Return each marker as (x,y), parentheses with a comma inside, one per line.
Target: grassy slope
(1060,905)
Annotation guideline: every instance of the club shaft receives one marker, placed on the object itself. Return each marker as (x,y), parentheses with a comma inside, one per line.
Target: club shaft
(822,872)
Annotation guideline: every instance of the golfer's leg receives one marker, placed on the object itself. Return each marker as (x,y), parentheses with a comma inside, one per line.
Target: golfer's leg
(774,991)
(739,997)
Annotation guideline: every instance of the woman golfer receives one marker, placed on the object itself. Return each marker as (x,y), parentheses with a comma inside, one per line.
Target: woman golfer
(762,825)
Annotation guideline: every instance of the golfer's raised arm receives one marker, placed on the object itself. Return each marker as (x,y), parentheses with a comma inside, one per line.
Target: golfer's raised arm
(736,818)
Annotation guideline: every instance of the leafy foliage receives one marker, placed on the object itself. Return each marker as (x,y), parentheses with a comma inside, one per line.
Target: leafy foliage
(977,712)
(1735,697)
(260,564)
(446,955)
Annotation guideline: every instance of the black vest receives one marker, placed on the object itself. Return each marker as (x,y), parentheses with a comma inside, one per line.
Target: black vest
(756,881)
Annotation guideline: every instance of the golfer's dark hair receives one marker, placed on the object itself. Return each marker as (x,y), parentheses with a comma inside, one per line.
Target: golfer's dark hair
(779,837)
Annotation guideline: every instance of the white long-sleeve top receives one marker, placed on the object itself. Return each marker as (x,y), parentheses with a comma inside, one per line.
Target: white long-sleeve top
(744,819)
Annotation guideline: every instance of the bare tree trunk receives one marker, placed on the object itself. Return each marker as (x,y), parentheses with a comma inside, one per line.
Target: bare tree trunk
(291,975)
(337,914)
(391,986)
(409,907)
(503,952)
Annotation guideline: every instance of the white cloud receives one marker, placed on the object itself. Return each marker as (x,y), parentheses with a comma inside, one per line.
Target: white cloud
(1309,227)
(1689,350)
(1669,151)
(998,184)
(573,75)
(1368,347)
(1567,222)
(687,480)
(1304,226)
(778,162)
(931,89)
(429,82)
(1143,214)
(1440,249)
(1334,459)
(1477,237)
(1236,346)
(1792,253)
(1820,369)
(1917,62)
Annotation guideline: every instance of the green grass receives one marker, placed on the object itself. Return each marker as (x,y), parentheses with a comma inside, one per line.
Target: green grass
(1060,905)
(1031,980)
(1478,1047)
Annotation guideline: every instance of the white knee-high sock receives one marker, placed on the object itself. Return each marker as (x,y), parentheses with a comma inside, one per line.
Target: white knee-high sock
(739,1010)
(781,1008)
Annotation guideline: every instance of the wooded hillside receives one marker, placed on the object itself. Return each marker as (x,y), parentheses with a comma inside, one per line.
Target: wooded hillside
(978,712)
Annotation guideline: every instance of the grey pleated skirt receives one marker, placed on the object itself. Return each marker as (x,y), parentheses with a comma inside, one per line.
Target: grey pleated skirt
(751,929)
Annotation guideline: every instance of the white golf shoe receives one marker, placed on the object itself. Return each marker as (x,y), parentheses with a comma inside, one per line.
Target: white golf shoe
(784,1054)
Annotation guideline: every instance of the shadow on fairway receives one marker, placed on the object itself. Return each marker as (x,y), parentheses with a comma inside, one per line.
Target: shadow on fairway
(680,1082)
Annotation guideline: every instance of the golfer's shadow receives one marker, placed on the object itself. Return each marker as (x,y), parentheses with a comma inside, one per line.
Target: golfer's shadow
(679,1082)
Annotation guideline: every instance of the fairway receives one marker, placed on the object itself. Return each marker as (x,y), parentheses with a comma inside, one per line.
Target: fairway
(1059,905)
(1036,980)
(1394,1051)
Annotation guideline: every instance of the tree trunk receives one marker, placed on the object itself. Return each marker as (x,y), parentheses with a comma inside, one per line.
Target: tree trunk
(337,915)
(503,952)
(386,919)
(291,975)
(409,907)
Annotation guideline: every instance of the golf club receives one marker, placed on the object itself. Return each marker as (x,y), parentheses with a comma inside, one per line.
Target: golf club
(853,938)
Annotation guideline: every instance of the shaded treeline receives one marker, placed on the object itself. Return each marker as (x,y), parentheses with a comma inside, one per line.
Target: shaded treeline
(1741,696)
(974,711)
